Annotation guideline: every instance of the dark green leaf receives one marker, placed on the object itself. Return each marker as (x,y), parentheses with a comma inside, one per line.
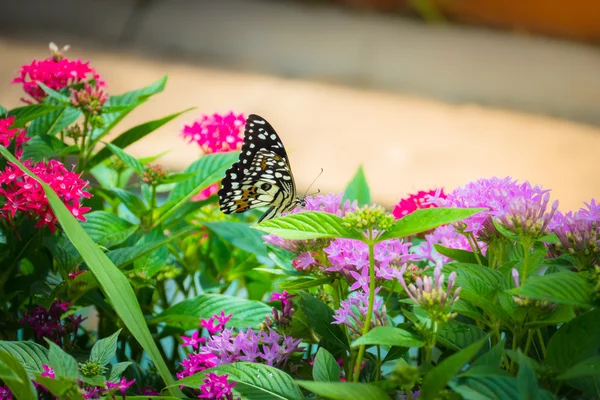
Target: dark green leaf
(437,378)
(526,380)
(254,381)
(493,358)
(104,350)
(325,368)
(130,200)
(345,391)
(54,122)
(387,335)
(151,263)
(64,364)
(117,370)
(426,219)
(241,236)
(559,315)
(587,367)
(28,113)
(307,225)
(456,335)
(62,388)
(564,287)
(44,147)
(127,159)
(29,354)
(460,255)
(187,314)
(107,229)
(358,188)
(13,373)
(320,317)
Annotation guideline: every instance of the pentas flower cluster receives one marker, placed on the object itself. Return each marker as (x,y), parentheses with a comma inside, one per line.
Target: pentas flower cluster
(216,387)
(520,208)
(353,311)
(447,236)
(216,133)
(417,201)
(281,319)
(579,234)
(24,194)
(5,393)
(57,73)
(10,135)
(47,323)
(89,98)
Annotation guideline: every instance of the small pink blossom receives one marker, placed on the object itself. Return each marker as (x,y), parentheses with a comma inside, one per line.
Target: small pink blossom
(216,387)
(10,135)
(416,201)
(193,341)
(120,386)
(217,133)
(48,372)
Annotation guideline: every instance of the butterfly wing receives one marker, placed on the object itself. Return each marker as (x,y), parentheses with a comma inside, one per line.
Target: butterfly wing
(262,176)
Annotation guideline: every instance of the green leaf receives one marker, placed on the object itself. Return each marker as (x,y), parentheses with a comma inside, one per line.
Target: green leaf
(107,229)
(588,367)
(131,201)
(29,354)
(307,225)
(64,364)
(320,317)
(358,189)
(28,113)
(127,159)
(574,342)
(426,219)
(44,147)
(3,111)
(303,283)
(493,358)
(104,350)
(254,381)
(437,378)
(62,388)
(151,263)
(186,314)
(526,380)
(456,335)
(241,236)
(13,373)
(460,255)
(559,315)
(117,370)
(61,98)
(492,387)
(564,287)
(54,122)
(345,391)
(386,335)
(131,136)
(177,177)
(112,282)
(325,368)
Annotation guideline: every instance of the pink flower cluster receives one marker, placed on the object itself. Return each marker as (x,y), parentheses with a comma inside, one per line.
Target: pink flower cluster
(47,323)
(447,236)
(217,133)
(353,311)
(5,393)
(24,194)
(10,135)
(55,73)
(416,201)
(216,387)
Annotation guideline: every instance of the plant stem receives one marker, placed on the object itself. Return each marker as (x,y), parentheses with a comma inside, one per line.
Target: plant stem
(367,326)
(526,247)
(541,339)
(81,157)
(474,247)
(528,342)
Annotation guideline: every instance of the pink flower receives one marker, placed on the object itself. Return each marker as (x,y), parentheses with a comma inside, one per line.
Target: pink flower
(210,326)
(216,387)
(193,341)
(217,133)
(24,194)
(447,236)
(120,386)
(207,192)
(89,99)
(416,201)
(48,371)
(54,73)
(9,135)
(5,393)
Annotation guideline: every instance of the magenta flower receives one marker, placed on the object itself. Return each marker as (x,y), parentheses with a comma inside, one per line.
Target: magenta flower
(48,323)
(5,393)
(10,135)
(216,387)
(217,133)
(26,195)
(193,341)
(91,393)
(210,326)
(54,73)
(120,386)
(283,318)
(196,362)
(416,201)
(353,311)
(48,371)
(89,98)
(149,391)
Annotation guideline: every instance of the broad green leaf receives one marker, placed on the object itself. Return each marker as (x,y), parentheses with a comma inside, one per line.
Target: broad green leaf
(426,219)
(210,169)
(29,354)
(131,136)
(559,315)
(345,391)
(320,317)
(493,358)
(307,225)
(150,264)
(526,380)
(325,368)
(130,200)
(28,113)
(64,364)
(387,335)
(107,229)
(13,373)
(303,283)
(44,147)
(61,98)
(112,282)
(241,236)
(588,367)
(575,341)
(62,388)
(490,277)
(54,122)
(254,381)
(460,255)
(127,159)
(456,335)
(104,349)
(437,378)
(493,387)
(187,314)
(176,178)
(117,370)
(358,189)
(564,287)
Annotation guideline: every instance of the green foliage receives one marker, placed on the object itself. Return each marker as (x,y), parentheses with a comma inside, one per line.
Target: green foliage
(358,189)
(307,225)
(386,335)
(343,391)
(325,368)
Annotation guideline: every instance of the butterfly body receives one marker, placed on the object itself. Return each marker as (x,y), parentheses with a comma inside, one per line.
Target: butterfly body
(262,176)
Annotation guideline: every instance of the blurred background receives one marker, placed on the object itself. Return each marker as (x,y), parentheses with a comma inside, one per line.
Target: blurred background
(422,93)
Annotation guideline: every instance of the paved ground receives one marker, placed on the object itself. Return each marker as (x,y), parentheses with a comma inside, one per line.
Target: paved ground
(406,143)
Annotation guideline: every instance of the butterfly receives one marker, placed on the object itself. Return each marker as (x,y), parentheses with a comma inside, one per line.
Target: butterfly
(262,176)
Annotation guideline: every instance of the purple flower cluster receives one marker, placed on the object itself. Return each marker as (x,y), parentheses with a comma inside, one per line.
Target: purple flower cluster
(5,393)
(46,323)
(447,236)
(283,318)
(353,311)
(579,234)
(216,387)
(520,208)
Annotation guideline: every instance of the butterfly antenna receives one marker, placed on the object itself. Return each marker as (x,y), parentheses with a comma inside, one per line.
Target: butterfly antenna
(313,182)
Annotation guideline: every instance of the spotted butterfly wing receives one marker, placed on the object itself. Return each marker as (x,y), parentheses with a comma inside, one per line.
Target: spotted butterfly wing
(262,176)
